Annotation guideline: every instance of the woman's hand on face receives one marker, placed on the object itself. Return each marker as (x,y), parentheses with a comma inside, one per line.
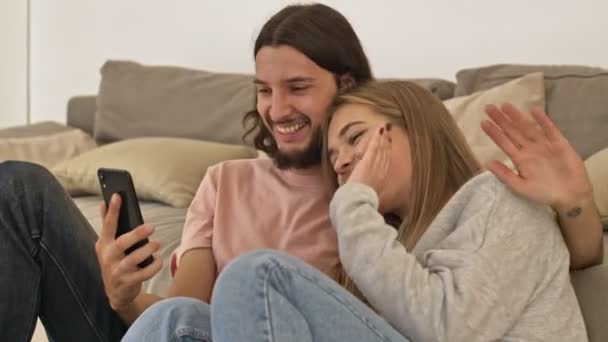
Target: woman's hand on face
(373,165)
(549,171)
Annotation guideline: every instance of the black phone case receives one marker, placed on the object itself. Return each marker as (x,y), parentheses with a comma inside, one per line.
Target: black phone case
(114,181)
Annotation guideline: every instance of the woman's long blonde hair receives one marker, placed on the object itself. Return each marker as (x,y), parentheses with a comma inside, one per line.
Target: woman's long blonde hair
(441,158)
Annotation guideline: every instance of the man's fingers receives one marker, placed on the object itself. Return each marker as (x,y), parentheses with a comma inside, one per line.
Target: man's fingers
(115,249)
(145,273)
(110,220)
(103,210)
(131,261)
(127,240)
(499,138)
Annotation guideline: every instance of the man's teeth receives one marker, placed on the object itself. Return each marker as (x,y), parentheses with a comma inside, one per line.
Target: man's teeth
(291,128)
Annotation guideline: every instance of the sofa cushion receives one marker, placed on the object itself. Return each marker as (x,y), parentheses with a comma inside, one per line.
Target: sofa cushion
(138,101)
(34,130)
(469,111)
(591,286)
(46,145)
(597,169)
(81,112)
(441,88)
(575,95)
(168,170)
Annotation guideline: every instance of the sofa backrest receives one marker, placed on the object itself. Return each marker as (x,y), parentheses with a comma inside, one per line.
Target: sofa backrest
(135,100)
(81,112)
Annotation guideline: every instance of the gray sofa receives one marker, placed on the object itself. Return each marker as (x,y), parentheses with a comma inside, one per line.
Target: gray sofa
(133,102)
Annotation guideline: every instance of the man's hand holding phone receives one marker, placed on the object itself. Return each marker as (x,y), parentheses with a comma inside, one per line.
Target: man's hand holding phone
(122,277)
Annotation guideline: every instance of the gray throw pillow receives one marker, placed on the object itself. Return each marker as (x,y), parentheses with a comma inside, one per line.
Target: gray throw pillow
(575,96)
(138,101)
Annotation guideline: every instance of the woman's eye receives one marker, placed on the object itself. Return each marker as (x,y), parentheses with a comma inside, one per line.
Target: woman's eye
(354,139)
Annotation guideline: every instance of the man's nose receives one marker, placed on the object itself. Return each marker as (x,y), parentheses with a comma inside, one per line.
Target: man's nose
(280,108)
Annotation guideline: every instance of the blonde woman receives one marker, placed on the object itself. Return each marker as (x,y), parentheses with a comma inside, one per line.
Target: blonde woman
(468,261)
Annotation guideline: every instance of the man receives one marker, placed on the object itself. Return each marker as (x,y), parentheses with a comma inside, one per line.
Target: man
(48,264)
(304,55)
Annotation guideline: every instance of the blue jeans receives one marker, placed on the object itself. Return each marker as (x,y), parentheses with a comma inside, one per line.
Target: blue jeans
(48,267)
(266,296)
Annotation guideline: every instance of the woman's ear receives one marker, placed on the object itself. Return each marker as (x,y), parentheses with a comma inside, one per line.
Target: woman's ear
(346,82)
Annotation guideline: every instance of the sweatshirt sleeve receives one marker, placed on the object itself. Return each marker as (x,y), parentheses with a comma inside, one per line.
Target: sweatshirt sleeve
(462,294)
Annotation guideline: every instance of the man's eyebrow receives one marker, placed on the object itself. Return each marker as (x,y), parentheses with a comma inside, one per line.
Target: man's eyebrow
(295,79)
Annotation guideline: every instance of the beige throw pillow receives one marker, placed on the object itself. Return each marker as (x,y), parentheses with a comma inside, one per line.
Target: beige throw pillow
(468,111)
(597,169)
(167,170)
(575,96)
(46,150)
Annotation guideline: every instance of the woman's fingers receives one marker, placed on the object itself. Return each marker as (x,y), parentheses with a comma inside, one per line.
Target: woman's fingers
(526,128)
(506,125)
(548,127)
(499,138)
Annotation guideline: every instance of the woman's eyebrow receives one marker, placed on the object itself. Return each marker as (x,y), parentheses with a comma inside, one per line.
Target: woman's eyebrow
(348,126)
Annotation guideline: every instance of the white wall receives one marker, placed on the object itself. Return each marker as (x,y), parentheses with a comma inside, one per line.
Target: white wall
(405,38)
(13,65)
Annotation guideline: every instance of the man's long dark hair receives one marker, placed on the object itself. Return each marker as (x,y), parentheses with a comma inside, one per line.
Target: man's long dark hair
(324,36)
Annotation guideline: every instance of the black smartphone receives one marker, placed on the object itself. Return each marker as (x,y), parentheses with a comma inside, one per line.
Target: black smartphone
(115,181)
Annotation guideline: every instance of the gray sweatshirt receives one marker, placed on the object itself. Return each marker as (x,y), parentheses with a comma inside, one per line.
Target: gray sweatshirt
(492,266)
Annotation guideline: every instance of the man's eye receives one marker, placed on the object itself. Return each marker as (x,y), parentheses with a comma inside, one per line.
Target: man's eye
(263,90)
(299,88)
(354,139)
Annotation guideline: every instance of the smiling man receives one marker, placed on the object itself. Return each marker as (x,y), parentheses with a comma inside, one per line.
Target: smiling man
(293,94)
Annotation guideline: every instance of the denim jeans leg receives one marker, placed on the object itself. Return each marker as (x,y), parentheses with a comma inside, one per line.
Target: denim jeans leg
(48,266)
(270,296)
(176,319)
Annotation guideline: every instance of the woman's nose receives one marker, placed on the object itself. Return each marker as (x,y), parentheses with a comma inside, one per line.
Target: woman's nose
(344,165)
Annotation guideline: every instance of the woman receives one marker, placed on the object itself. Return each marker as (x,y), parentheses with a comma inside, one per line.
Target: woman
(472,261)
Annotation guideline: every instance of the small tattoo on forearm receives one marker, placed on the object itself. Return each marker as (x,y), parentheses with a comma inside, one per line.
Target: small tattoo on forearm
(574,212)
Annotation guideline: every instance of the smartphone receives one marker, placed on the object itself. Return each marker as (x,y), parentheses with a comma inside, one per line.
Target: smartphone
(115,181)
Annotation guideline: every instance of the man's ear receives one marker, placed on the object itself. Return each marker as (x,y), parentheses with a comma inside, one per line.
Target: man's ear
(346,82)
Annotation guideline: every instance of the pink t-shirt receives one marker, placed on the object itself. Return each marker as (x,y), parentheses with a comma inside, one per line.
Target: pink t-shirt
(243,205)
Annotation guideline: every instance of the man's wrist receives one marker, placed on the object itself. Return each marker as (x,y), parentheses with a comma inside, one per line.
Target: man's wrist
(126,309)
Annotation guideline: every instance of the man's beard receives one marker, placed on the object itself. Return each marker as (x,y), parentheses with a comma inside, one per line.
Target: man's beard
(310,156)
